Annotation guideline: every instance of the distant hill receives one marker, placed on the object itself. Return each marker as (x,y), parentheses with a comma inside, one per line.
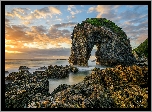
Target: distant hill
(142,49)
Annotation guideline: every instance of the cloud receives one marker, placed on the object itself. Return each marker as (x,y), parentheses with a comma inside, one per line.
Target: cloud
(129,15)
(23,38)
(72,9)
(9,14)
(136,33)
(37,36)
(76,12)
(17,12)
(46,11)
(65,31)
(101,9)
(26,22)
(36,14)
(51,21)
(91,9)
(54,33)
(27,53)
(135,13)
(14,52)
(70,24)
(17,33)
(39,29)
(107,11)
(71,17)
(56,36)
(133,19)
(7,21)
(141,38)
(54,10)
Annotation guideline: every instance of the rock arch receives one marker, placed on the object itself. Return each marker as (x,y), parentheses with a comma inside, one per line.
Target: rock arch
(113,46)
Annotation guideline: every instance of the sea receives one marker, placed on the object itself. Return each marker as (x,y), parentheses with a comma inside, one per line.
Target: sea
(12,65)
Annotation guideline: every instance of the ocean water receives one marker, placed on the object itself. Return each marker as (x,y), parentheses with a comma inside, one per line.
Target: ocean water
(12,65)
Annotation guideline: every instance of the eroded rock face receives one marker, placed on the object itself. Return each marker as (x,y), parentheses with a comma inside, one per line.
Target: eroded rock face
(113,46)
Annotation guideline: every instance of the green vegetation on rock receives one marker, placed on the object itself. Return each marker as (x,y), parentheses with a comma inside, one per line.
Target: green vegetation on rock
(142,48)
(105,23)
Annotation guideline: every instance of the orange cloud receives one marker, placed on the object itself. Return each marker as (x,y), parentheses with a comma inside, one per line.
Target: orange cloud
(102,9)
(54,10)
(26,22)
(17,12)
(141,38)
(35,37)
(12,51)
(17,33)
(9,14)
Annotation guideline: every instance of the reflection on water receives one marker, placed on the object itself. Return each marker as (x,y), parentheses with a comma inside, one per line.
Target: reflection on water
(12,65)
(72,79)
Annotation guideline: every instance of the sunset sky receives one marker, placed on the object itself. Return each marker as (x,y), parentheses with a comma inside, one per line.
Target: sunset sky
(44,31)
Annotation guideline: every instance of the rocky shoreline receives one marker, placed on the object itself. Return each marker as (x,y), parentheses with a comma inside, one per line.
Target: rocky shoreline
(118,87)
(27,87)
(52,72)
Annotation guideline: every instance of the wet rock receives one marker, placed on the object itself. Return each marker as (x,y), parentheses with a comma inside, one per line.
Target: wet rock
(74,69)
(141,59)
(21,74)
(58,72)
(119,87)
(25,86)
(23,68)
(42,68)
(59,88)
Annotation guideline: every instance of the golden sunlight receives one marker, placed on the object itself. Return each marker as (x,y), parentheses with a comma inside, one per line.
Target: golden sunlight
(12,51)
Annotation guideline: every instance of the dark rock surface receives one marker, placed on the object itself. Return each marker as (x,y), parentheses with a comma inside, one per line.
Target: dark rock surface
(142,60)
(119,87)
(23,68)
(53,72)
(113,46)
(21,91)
(58,72)
(28,90)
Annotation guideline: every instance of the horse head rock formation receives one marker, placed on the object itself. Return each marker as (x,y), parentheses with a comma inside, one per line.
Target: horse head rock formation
(113,46)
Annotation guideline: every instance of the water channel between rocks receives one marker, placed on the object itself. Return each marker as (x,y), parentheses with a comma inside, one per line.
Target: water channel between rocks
(73,78)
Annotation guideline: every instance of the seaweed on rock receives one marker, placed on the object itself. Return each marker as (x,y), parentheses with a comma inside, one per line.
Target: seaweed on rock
(119,87)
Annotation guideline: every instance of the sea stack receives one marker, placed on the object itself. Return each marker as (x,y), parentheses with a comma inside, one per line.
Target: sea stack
(113,46)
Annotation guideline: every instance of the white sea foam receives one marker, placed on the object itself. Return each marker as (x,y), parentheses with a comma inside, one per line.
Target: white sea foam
(90,68)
